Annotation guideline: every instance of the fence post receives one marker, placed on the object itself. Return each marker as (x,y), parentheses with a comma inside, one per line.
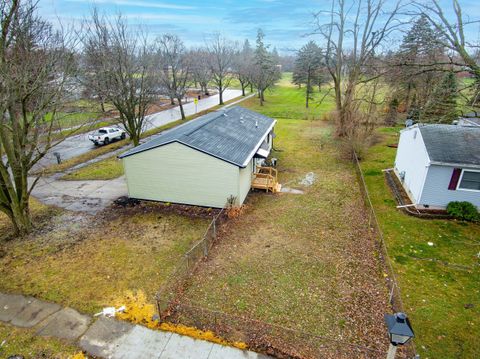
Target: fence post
(214,228)
(205,246)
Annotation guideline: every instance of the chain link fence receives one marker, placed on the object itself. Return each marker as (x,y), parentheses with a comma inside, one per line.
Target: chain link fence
(395,298)
(200,250)
(271,339)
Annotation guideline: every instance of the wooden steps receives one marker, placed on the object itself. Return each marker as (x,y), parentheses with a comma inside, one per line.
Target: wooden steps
(266,178)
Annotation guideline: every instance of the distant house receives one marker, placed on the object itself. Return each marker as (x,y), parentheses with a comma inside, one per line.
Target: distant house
(202,162)
(438,164)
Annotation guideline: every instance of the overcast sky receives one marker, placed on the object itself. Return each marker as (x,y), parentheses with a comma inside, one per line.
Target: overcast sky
(286,23)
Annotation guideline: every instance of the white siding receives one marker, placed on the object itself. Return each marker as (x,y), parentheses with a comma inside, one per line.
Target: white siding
(245,181)
(436,193)
(176,173)
(412,158)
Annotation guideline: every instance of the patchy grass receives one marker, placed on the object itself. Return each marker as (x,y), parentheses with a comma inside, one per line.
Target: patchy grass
(40,215)
(301,261)
(443,301)
(72,119)
(86,263)
(16,341)
(106,169)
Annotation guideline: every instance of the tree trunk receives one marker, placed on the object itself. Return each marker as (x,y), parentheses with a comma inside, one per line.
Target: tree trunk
(22,223)
(251,87)
(407,100)
(260,96)
(181,107)
(243,90)
(307,91)
(172,101)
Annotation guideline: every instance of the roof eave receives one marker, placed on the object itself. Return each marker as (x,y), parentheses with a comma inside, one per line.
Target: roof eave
(250,156)
(455,164)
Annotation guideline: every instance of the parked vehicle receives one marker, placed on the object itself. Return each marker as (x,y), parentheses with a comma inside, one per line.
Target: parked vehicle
(105,135)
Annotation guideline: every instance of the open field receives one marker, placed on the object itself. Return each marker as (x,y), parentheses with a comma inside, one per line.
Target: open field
(87,262)
(307,261)
(441,283)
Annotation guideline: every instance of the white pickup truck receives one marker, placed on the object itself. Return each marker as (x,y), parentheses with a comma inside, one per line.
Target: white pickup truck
(105,135)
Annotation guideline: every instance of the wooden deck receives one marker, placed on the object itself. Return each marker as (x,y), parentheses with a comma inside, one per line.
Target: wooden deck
(266,178)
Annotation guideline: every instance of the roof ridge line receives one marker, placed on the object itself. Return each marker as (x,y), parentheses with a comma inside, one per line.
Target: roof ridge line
(206,122)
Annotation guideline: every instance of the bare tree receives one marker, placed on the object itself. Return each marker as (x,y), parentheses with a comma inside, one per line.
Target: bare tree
(35,64)
(243,66)
(353,37)
(125,72)
(175,67)
(200,68)
(453,36)
(222,52)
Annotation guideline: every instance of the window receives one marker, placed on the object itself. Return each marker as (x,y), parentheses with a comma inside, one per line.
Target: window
(470,180)
(112,130)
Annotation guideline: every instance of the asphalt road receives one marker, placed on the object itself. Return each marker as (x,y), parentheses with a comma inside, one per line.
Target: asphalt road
(79,144)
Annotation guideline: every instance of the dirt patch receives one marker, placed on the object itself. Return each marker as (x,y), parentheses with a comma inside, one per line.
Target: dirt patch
(133,206)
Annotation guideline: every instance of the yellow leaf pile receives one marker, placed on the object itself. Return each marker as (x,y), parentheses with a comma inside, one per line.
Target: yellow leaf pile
(78,356)
(139,311)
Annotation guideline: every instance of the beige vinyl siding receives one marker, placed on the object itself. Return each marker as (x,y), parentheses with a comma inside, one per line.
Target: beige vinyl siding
(179,174)
(245,182)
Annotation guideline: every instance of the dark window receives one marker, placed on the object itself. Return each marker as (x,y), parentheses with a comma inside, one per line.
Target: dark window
(102,131)
(470,180)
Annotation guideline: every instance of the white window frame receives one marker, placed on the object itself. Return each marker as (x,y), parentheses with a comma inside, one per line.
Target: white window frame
(460,181)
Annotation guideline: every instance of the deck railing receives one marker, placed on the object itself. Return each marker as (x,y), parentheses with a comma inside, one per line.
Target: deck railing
(265,178)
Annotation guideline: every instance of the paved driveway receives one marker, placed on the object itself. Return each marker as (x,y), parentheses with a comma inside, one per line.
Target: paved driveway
(85,196)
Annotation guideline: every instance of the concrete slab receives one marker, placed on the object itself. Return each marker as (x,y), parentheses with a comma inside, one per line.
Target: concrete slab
(11,305)
(186,348)
(223,352)
(66,324)
(104,337)
(141,343)
(34,312)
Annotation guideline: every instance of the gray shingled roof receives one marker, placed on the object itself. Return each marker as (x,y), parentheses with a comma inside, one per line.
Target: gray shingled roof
(232,135)
(451,144)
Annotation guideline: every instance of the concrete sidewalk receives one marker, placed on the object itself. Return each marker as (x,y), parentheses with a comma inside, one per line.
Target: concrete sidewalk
(106,337)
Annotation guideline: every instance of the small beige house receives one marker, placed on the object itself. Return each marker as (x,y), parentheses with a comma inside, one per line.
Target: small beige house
(202,162)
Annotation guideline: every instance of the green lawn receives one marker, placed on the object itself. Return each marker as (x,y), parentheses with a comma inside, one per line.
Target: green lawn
(72,119)
(441,298)
(106,169)
(301,261)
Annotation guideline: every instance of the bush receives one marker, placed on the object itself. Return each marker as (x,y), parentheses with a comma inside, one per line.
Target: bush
(463,210)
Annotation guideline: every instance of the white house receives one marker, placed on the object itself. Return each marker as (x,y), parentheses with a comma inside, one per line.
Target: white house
(203,162)
(438,164)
